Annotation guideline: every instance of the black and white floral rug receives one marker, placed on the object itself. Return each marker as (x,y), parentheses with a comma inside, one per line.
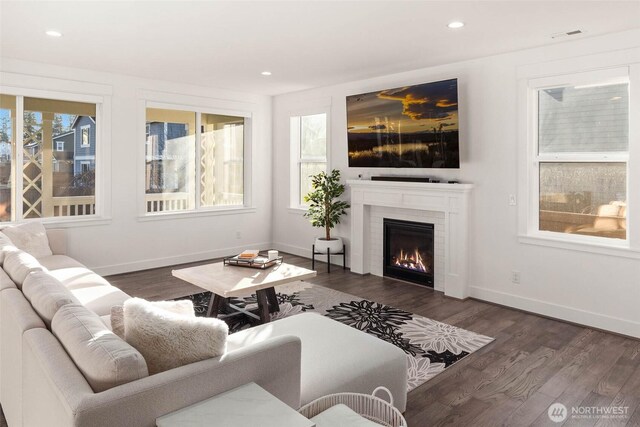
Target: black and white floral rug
(431,346)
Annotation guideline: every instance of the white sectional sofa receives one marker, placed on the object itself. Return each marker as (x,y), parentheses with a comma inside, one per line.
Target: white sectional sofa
(54,310)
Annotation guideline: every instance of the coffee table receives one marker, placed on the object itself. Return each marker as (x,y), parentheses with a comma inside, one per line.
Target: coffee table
(226,281)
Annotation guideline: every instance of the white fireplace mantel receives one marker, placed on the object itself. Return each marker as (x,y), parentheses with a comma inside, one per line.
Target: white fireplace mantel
(450,199)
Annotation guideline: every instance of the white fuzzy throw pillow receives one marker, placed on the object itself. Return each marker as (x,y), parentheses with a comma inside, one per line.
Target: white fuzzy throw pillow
(168,340)
(184,307)
(30,237)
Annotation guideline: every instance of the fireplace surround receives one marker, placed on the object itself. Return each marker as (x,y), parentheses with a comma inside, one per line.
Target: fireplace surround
(451,201)
(409,251)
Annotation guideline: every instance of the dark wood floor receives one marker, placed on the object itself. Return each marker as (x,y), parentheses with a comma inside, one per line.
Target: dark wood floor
(533,362)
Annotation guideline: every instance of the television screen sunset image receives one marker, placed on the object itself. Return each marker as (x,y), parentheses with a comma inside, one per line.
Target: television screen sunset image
(406,127)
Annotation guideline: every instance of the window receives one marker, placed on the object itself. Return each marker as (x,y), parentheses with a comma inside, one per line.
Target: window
(188,169)
(7,144)
(85,135)
(221,160)
(85,167)
(309,153)
(581,138)
(50,184)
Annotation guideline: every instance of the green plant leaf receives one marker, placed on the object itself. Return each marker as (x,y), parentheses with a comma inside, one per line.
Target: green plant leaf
(325,210)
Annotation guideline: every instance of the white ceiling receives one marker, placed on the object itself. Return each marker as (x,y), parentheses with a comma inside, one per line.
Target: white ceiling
(304,44)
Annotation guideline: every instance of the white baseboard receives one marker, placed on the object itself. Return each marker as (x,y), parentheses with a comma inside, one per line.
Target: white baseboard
(294,250)
(558,311)
(306,253)
(173,260)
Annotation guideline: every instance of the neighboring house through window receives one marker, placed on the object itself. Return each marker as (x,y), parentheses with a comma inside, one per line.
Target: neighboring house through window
(579,128)
(49,158)
(84,129)
(189,168)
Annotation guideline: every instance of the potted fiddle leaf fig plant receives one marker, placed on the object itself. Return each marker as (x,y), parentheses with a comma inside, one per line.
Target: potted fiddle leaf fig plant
(325,209)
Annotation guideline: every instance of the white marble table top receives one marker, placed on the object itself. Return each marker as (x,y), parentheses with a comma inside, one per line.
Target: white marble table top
(246,406)
(233,281)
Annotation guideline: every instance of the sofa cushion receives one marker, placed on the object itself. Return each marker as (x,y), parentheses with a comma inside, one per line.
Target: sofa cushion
(30,237)
(106,319)
(78,277)
(16,317)
(104,359)
(5,281)
(6,250)
(46,295)
(100,299)
(184,307)
(5,242)
(57,262)
(19,264)
(168,340)
(57,240)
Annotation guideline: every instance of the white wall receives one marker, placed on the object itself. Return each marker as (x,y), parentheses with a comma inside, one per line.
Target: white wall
(598,290)
(126,243)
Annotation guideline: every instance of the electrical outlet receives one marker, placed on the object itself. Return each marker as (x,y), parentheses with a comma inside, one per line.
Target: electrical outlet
(238,235)
(512,200)
(515,277)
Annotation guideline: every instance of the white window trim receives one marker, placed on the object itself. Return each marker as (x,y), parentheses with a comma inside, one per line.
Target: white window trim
(21,86)
(162,100)
(295,205)
(59,146)
(528,190)
(88,128)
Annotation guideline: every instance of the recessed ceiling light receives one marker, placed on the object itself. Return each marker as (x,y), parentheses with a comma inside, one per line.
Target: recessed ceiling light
(455,24)
(266,73)
(53,33)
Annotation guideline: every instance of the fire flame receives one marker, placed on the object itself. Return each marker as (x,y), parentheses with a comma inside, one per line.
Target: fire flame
(412,261)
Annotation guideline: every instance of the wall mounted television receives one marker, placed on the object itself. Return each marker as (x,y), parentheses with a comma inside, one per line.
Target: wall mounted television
(406,127)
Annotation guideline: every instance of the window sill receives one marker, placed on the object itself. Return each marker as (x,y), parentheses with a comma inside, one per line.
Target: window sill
(617,249)
(162,216)
(298,211)
(65,222)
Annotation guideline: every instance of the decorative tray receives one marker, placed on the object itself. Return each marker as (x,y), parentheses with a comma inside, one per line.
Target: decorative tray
(262,261)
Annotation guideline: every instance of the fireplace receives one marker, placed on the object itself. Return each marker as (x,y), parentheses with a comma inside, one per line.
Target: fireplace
(408,251)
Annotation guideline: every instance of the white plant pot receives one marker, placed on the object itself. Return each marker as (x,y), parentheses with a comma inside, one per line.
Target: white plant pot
(334,245)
